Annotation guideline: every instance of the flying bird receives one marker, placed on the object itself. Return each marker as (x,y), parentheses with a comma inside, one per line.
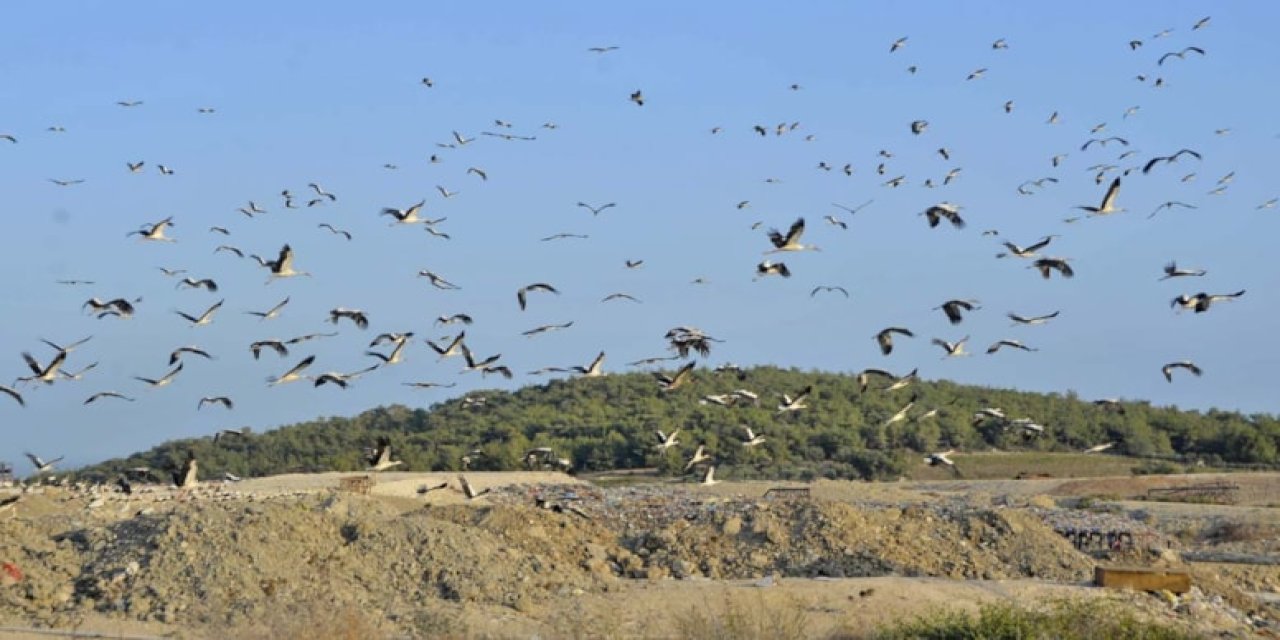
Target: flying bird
(270,313)
(437,281)
(164,380)
(452,349)
(901,413)
(953,349)
(380,458)
(944,210)
(853,210)
(751,439)
(408,215)
(187,474)
(699,456)
(207,284)
(1103,142)
(356,316)
(1170,204)
(1179,54)
(1171,270)
(537,286)
(1201,301)
(429,385)
(836,222)
(117,307)
(681,377)
(1016,344)
(107,394)
(334,230)
(204,318)
(222,400)
(1108,201)
(47,374)
(41,465)
(666,440)
(1048,265)
(341,380)
(282,266)
(1167,369)
(176,355)
(790,241)
(294,374)
(594,369)
(885,338)
(1099,448)
(468,490)
(1017,319)
(955,308)
(476,365)
(455,318)
(595,211)
(796,403)
(1025,252)
(768,268)
(154,231)
(1169,159)
(828,288)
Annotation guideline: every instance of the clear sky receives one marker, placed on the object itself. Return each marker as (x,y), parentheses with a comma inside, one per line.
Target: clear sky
(331,92)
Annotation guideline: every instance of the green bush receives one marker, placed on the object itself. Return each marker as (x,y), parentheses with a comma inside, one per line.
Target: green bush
(1061,620)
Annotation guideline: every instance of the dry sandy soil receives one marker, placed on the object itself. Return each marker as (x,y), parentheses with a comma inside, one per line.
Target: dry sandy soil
(546,555)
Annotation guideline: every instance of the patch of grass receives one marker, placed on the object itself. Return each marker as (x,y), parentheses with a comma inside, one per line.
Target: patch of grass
(313,621)
(743,618)
(1239,531)
(1157,467)
(1007,465)
(1060,620)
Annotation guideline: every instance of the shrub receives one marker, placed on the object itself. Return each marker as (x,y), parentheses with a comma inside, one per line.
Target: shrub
(1060,620)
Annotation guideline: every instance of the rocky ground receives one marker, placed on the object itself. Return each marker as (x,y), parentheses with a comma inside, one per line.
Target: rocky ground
(259,556)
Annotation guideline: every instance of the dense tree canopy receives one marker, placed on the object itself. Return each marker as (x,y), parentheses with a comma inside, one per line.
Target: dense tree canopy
(609,422)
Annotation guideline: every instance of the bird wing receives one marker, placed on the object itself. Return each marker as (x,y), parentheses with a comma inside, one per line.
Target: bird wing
(306,362)
(1110,198)
(278,307)
(285,260)
(31,362)
(13,394)
(794,233)
(1044,242)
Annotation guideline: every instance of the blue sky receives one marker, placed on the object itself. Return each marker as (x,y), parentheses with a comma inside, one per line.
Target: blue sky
(330,93)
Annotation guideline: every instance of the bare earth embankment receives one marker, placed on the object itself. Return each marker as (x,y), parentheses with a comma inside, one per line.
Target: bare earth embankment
(547,555)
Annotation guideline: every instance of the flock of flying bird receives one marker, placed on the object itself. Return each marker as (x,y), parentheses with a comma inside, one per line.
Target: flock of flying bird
(297,362)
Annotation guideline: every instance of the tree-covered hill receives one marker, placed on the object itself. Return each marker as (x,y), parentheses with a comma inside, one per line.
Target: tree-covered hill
(609,422)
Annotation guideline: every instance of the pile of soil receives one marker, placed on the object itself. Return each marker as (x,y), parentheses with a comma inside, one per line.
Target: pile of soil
(226,562)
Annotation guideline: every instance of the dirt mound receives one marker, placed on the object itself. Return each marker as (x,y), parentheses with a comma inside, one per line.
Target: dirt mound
(839,540)
(229,562)
(225,562)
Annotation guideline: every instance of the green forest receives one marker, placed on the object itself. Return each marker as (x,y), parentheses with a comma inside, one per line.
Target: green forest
(609,423)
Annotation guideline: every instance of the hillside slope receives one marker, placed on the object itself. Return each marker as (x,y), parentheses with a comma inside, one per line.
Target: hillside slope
(609,422)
